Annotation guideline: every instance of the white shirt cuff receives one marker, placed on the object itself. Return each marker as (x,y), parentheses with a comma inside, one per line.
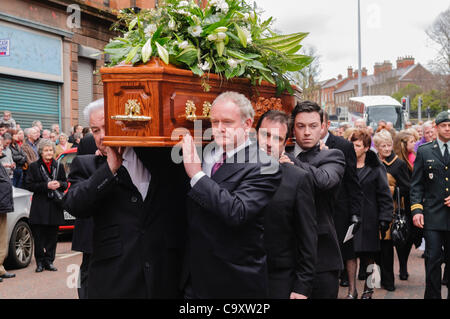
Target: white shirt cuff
(196,178)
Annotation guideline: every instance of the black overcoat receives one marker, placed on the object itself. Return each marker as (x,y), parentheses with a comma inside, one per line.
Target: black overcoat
(377,205)
(44,210)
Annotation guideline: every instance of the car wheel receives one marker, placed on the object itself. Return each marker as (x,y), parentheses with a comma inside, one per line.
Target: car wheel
(20,246)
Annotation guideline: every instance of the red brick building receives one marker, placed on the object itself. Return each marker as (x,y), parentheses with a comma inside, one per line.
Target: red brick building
(49,51)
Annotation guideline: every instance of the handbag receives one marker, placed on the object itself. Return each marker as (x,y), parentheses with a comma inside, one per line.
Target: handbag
(399,227)
(56,195)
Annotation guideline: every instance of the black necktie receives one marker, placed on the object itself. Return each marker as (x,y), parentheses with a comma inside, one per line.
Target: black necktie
(446,155)
(302,156)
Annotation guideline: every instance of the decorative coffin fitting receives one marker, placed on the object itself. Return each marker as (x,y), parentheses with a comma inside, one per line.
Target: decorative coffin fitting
(154,105)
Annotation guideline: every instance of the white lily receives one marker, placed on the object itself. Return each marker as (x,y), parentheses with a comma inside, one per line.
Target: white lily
(212,37)
(204,66)
(183,45)
(172,25)
(150,29)
(195,31)
(248,34)
(232,63)
(221,36)
(223,6)
(147,50)
(183,4)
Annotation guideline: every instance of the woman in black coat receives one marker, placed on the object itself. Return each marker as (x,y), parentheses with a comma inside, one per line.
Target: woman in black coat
(399,177)
(44,177)
(377,207)
(20,158)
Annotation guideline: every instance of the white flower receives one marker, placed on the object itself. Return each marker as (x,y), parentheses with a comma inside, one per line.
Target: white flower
(232,63)
(196,19)
(223,6)
(195,31)
(150,29)
(147,50)
(212,37)
(248,34)
(183,45)
(183,4)
(204,66)
(213,2)
(221,36)
(172,24)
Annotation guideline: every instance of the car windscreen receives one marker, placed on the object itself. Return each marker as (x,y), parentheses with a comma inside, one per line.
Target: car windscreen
(388,113)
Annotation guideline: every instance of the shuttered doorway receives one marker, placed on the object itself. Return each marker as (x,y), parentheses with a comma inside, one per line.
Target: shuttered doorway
(30,100)
(85,87)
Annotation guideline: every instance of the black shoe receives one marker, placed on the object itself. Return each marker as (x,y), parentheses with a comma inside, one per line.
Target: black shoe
(39,268)
(7,275)
(389,287)
(367,294)
(404,276)
(344,283)
(352,296)
(49,266)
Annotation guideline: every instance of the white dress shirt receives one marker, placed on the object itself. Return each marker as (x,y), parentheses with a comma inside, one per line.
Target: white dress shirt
(214,156)
(140,176)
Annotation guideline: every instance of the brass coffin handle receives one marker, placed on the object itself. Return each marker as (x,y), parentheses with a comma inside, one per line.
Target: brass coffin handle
(191,108)
(132,113)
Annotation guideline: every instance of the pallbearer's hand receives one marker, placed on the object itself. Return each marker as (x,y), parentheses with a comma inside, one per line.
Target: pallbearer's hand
(285,159)
(297,296)
(447,201)
(114,158)
(191,160)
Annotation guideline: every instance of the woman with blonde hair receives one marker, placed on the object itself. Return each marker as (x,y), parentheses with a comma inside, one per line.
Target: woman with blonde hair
(63,144)
(399,183)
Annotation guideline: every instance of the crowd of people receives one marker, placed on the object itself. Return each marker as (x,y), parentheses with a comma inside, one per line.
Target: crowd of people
(252,217)
(27,161)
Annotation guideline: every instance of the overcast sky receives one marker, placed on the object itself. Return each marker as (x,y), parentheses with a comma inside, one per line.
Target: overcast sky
(389,29)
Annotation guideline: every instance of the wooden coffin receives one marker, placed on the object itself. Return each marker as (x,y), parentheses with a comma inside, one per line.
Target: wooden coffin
(154,105)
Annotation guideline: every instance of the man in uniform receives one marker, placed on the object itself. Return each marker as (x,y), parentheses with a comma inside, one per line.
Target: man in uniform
(430,201)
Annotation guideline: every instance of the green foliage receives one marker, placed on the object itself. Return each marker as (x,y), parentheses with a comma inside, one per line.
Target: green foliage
(227,37)
(434,99)
(411,89)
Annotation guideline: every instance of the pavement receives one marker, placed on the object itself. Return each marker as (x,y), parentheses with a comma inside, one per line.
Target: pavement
(62,284)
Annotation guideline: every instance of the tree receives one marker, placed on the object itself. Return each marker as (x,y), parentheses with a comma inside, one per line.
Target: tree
(439,33)
(411,90)
(307,78)
(433,99)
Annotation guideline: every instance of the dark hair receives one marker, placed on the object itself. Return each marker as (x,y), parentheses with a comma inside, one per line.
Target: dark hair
(362,135)
(276,116)
(308,107)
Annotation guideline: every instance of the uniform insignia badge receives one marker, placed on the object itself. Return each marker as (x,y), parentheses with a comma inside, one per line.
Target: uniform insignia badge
(430,175)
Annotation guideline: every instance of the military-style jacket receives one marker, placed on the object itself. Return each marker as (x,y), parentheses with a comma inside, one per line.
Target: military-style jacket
(430,186)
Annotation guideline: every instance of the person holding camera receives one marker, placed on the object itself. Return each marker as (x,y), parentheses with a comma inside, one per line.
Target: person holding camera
(46,178)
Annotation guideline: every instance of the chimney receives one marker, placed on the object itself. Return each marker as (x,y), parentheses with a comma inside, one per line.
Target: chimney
(364,72)
(404,62)
(339,77)
(378,68)
(350,72)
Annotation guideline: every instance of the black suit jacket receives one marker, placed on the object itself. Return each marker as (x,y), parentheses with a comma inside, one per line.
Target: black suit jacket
(137,245)
(84,227)
(327,169)
(350,196)
(225,250)
(290,234)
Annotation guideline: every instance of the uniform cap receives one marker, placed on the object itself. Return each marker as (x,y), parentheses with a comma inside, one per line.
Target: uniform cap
(444,116)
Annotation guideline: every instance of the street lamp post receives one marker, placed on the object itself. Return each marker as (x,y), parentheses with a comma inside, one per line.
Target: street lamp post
(359,50)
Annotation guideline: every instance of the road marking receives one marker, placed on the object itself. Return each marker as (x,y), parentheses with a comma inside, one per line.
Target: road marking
(64,256)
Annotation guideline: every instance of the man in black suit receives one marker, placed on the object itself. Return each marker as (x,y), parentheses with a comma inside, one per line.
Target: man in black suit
(290,227)
(136,199)
(327,169)
(348,204)
(84,227)
(225,248)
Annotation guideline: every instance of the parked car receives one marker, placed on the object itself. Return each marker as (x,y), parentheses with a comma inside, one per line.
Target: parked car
(66,159)
(20,238)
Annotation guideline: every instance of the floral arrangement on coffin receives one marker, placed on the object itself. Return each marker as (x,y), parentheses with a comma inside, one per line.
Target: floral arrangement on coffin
(226,37)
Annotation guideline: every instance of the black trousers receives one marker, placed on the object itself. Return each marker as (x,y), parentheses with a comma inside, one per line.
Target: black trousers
(45,240)
(326,285)
(434,240)
(386,261)
(83,280)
